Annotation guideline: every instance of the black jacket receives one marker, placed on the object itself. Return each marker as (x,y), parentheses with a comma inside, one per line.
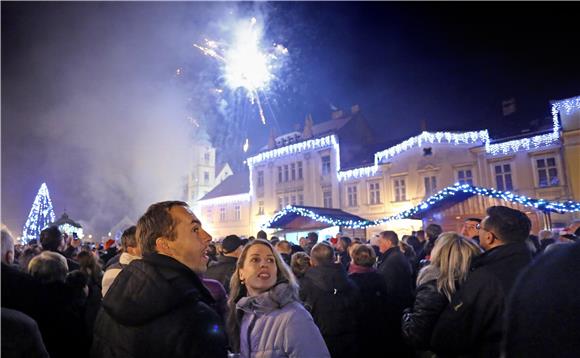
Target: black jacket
(418,322)
(543,314)
(158,307)
(472,324)
(222,270)
(373,311)
(332,299)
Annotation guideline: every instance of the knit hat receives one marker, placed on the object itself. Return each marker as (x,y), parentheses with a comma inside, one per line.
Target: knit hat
(231,243)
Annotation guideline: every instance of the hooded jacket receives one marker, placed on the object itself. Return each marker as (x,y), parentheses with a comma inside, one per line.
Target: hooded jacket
(332,299)
(222,270)
(158,307)
(275,325)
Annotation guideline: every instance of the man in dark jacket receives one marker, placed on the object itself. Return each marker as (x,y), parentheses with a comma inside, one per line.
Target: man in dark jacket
(225,266)
(472,322)
(396,270)
(51,240)
(331,297)
(158,306)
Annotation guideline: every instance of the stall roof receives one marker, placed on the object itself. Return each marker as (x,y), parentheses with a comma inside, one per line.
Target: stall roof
(310,217)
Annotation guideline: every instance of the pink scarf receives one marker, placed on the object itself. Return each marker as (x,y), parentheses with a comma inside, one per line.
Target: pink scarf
(354,268)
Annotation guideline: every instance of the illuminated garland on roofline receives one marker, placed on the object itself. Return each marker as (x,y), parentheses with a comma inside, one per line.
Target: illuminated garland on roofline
(539,204)
(569,106)
(227,199)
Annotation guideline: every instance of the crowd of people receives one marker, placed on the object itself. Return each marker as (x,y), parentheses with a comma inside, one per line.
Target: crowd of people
(169,290)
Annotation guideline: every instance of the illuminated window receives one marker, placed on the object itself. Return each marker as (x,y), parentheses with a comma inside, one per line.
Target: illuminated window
(222,214)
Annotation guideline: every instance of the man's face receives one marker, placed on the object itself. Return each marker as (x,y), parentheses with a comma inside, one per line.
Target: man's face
(469,229)
(192,241)
(384,244)
(486,238)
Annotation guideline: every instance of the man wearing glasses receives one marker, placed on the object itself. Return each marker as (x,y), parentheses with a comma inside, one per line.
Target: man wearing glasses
(472,322)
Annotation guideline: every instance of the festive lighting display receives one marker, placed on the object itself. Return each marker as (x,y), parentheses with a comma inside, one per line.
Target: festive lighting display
(358,173)
(244,63)
(40,216)
(295,148)
(70,229)
(228,199)
(539,204)
(354,224)
(431,138)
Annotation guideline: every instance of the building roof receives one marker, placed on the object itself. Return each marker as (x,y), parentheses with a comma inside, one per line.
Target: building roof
(64,219)
(310,217)
(237,183)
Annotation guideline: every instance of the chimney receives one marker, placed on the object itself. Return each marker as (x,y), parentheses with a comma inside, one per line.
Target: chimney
(508,106)
(355,109)
(337,114)
(423,125)
(272,140)
(308,123)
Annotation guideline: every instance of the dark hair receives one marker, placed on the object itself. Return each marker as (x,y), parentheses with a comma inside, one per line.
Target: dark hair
(155,223)
(128,238)
(474,219)
(51,238)
(312,237)
(262,235)
(345,240)
(300,263)
(364,255)
(89,266)
(322,253)
(390,236)
(433,231)
(509,225)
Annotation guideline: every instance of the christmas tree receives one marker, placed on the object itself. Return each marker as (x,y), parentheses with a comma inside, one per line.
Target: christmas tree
(41,215)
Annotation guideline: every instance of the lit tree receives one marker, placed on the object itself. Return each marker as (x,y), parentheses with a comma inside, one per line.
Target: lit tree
(41,215)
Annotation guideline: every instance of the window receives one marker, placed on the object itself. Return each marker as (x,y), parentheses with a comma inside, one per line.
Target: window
(280,203)
(352,197)
(209,215)
(299,164)
(286,201)
(327,199)
(300,199)
(222,214)
(260,179)
(206,157)
(293,171)
(430,185)
(503,177)
(547,172)
(326,165)
(206,177)
(260,207)
(464,176)
(285,172)
(400,190)
(279,174)
(374,193)
(293,199)
(237,213)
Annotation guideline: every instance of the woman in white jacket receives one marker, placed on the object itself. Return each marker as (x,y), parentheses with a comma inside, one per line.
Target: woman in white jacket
(266,318)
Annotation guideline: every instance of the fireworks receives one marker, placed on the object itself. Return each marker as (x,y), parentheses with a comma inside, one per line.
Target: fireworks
(244,63)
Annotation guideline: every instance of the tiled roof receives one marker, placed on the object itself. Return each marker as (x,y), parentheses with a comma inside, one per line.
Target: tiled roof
(237,183)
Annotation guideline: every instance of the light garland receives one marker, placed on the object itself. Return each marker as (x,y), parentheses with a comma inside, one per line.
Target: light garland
(539,204)
(70,229)
(40,216)
(426,137)
(358,173)
(295,148)
(353,224)
(228,199)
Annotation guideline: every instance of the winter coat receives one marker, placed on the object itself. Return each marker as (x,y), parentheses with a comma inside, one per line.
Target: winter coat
(372,309)
(275,325)
(158,307)
(222,270)
(20,336)
(418,322)
(113,270)
(543,314)
(472,323)
(332,299)
(396,271)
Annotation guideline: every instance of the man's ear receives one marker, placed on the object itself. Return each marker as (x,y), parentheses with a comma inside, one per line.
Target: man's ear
(161,245)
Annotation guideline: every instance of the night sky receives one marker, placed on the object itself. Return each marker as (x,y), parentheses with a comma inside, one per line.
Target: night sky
(92,106)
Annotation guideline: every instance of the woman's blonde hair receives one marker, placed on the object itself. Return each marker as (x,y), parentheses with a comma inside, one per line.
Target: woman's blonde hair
(450,262)
(238,290)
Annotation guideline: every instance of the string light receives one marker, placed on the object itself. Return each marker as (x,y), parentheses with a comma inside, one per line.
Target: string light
(40,216)
(539,204)
(295,148)
(228,199)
